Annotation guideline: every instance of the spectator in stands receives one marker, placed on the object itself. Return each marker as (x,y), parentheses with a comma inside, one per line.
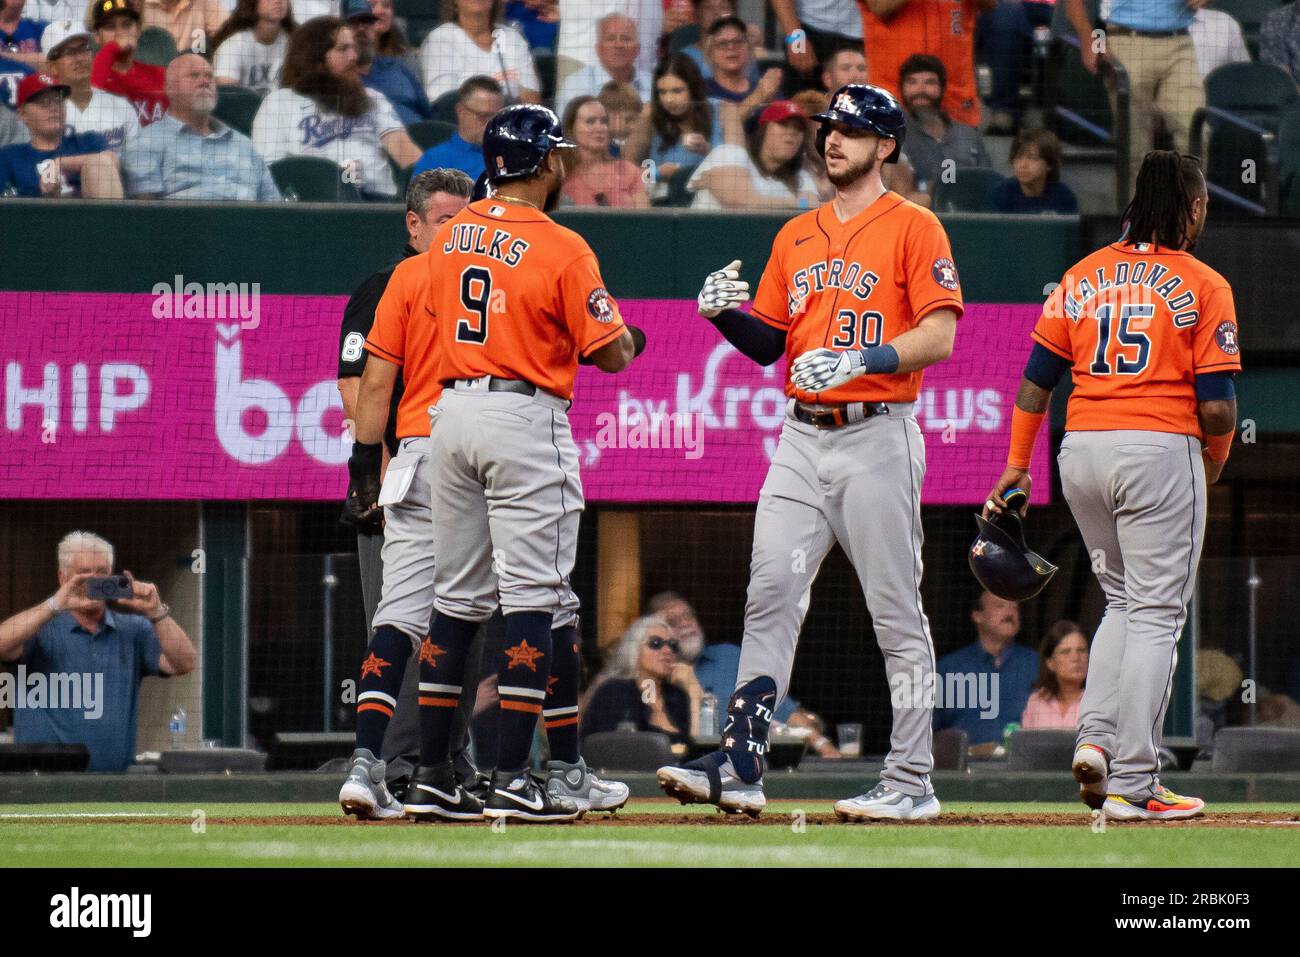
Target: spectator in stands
(11,74)
(767,173)
(66,45)
(935,141)
(390,39)
(193,24)
(1279,39)
(322,109)
(1218,40)
(480,99)
(471,42)
(644,686)
(47,11)
(20,36)
(706,14)
(815,30)
(537,20)
(718,665)
(842,67)
(111,649)
(735,95)
(679,126)
(388,75)
(55,163)
(1150,39)
(617,48)
(894,30)
(250,46)
(994,670)
(11,128)
(189,154)
(1062,670)
(579,20)
(622,105)
(1035,184)
(115,70)
(599,178)
(1007,37)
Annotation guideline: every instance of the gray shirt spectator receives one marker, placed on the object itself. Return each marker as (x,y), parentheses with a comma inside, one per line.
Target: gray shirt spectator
(1279,39)
(933,137)
(188,154)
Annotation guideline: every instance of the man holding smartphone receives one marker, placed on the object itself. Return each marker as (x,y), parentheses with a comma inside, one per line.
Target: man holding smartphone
(71,633)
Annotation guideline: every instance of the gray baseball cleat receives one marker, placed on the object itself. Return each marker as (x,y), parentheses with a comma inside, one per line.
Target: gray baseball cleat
(705,782)
(883,803)
(580,784)
(364,793)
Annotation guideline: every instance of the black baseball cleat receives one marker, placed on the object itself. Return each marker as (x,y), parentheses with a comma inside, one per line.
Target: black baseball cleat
(434,795)
(518,796)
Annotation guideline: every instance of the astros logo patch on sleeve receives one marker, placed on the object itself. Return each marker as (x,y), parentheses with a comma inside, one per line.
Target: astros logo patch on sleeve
(1226,336)
(944,272)
(598,306)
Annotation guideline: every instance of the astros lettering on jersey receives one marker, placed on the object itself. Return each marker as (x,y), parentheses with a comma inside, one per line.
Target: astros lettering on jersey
(858,284)
(528,302)
(403,333)
(1138,324)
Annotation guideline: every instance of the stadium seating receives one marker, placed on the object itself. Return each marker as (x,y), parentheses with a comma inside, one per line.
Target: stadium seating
(155,47)
(311,179)
(1256,749)
(237,107)
(1288,141)
(1079,111)
(627,750)
(950,749)
(430,133)
(444,107)
(970,192)
(678,194)
(1040,749)
(1250,14)
(420,17)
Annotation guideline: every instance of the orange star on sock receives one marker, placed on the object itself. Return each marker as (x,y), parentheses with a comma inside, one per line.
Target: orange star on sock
(524,654)
(429,652)
(374,665)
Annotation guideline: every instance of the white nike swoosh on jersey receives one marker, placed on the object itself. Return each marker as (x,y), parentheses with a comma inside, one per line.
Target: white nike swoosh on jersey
(535,805)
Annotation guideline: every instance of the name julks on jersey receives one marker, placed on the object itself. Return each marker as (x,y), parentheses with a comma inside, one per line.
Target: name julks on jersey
(1127,283)
(473,238)
(833,274)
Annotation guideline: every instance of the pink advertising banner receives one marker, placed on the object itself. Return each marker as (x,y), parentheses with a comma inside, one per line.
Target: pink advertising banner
(220,393)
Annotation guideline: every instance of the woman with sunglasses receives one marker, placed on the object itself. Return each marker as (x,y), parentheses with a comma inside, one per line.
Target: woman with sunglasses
(645,686)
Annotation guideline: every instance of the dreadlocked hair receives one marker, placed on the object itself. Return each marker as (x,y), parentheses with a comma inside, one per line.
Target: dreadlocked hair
(1160,212)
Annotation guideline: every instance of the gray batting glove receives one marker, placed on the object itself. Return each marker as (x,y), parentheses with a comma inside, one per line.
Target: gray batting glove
(724,289)
(820,370)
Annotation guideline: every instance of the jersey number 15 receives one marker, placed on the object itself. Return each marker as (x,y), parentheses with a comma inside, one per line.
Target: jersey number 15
(475,297)
(1126,335)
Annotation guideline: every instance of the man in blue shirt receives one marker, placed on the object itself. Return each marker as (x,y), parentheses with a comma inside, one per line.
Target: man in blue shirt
(54,163)
(985,686)
(1152,41)
(190,155)
(80,662)
(388,75)
(477,101)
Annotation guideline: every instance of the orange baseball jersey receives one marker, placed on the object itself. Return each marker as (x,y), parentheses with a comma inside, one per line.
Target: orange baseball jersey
(941,28)
(403,333)
(1138,324)
(517,296)
(857,284)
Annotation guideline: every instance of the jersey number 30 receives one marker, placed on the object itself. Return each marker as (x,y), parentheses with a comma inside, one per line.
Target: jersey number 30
(1127,337)
(475,295)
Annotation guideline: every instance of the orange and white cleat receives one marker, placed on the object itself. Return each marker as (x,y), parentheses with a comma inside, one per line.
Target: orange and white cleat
(1161,805)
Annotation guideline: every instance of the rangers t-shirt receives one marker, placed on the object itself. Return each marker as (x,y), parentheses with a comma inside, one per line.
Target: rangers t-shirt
(113,117)
(244,60)
(290,124)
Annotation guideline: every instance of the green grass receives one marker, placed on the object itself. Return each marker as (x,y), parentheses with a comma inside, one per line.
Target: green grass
(30,842)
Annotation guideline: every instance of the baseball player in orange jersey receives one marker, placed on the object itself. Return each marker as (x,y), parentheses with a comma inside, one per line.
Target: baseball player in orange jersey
(892,30)
(516,300)
(861,294)
(1149,335)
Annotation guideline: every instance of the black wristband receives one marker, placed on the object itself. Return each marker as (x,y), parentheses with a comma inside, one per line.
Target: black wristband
(366,459)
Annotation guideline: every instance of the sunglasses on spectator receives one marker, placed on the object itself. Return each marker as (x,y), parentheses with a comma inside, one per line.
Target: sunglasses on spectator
(654,644)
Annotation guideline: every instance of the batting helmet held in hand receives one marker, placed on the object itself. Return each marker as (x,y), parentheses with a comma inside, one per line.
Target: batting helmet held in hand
(1001,560)
(864,108)
(517,139)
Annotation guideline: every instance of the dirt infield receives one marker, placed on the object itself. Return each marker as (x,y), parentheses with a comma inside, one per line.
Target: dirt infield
(1245,819)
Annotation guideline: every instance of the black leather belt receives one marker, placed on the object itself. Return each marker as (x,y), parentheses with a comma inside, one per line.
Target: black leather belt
(837,416)
(518,386)
(1115,30)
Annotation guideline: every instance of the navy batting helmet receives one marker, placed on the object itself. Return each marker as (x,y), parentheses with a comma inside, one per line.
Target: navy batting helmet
(1001,560)
(517,139)
(865,108)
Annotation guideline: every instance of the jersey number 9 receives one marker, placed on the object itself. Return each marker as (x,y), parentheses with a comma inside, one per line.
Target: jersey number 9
(475,295)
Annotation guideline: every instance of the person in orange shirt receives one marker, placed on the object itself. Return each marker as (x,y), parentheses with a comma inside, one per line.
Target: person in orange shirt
(892,30)
(517,302)
(1149,336)
(860,295)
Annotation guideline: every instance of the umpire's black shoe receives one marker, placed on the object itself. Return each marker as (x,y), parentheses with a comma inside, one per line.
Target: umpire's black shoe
(518,796)
(434,795)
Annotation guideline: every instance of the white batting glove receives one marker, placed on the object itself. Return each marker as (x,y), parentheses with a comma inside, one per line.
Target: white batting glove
(820,370)
(724,289)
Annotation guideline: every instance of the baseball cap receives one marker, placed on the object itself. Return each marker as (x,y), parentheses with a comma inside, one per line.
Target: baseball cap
(37,83)
(356,11)
(59,32)
(104,9)
(778,111)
